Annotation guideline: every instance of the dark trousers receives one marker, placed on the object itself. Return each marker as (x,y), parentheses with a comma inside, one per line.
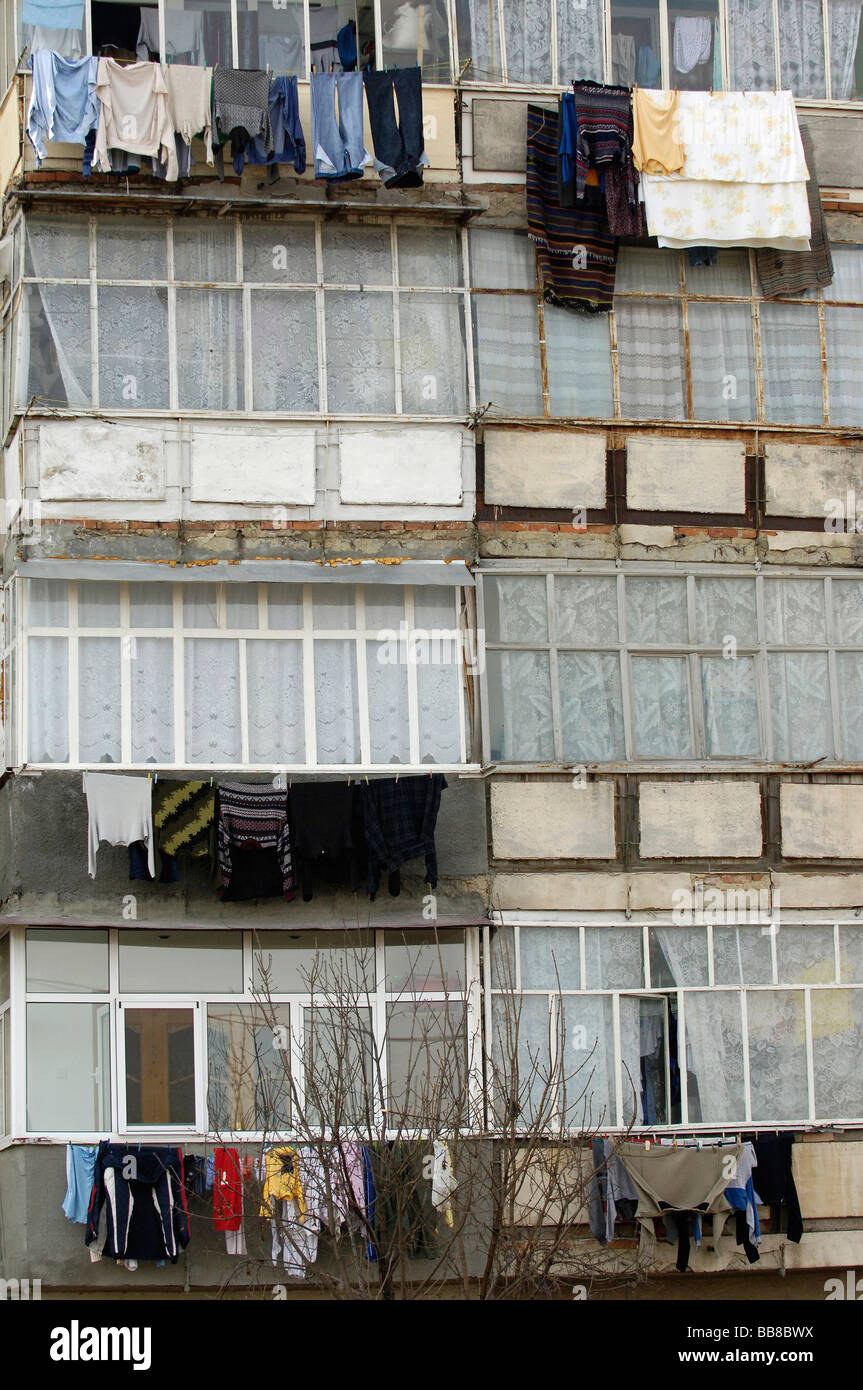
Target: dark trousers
(398,142)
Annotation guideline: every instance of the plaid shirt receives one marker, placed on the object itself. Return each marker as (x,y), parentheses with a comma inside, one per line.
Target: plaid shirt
(400,818)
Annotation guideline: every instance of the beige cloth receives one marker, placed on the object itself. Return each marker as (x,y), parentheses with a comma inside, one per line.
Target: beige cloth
(190,103)
(684,1179)
(134,115)
(656,145)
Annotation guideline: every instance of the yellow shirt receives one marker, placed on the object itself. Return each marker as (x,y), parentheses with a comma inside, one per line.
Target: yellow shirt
(656,145)
(282,1181)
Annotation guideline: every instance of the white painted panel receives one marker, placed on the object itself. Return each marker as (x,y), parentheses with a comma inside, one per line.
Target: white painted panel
(696,819)
(251,465)
(552,820)
(685,475)
(412,466)
(101,461)
(545,468)
(814,480)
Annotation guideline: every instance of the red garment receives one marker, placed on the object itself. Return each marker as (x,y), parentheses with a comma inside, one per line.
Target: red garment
(227,1190)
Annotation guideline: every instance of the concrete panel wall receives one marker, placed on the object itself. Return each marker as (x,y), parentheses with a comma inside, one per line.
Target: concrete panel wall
(552,820)
(401,465)
(232,464)
(92,459)
(685,475)
(545,468)
(829,1179)
(810,480)
(699,819)
(821,821)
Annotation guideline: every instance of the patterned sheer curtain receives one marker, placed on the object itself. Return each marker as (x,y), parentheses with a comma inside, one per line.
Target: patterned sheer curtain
(801,44)
(650,356)
(752,61)
(54,333)
(579,41)
(844,16)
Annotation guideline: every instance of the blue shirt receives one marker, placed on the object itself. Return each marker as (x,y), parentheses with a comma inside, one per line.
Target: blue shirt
(54,14)
(64,105)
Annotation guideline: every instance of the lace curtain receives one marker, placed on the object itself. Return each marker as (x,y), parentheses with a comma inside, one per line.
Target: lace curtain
(276,707)
(660,707)
(48,700)
(791,351)
(212,701)
(777,1054)
(723,367)
(650,357)
(284,380)
(844,18)
(433,354)
(360,352)
(133,347)
(578,352)
(801,47)
(152,685)
(336,701)
(527,30)
(844,332)
(210,350)
(509,374)
(751,57)
(800,706)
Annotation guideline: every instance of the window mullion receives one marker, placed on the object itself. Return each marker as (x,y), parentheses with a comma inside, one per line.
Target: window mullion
(467,309)
(362,675)
(94,317)
(248,374)
(413,682)
(73,673)
(618,1067)
(309,677)
(179,678)
(553,669)
(664,46)
(501,35)
(744,1035)
(822,347)
(173,389)
(625,672)
(810,1051)
(128,655)
(777,55)
(828,72)
(320,310)
(244,702)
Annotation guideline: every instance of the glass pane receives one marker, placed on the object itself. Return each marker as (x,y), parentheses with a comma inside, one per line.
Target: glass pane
(284,380)
(273,36)
(742,954)
(433,354)
(56,322)
(333,608)
(339,1075)
(131,249)
(585,611)
(356,255)
(177,962)
(644,270)
(503,958)
(423,962)
(849,669)
(650,358)
(847,270)
(57,247)
(478,40)
(801,47)
(133,347)
(519,695)
(389,717)
(204,251)
(47,718)
(777,1055)
(279,253)
(98,604)
(751,59)
(523,1081)
(791,349)
(68,1068)
(160,1066)
(426,1062)
(614,958)
(794,611)
(723,364)
(213,701)
(587,1033)
(726,608)
(660,690)
(285,606)
(656,610)
(429,257)
(580,41)
(437,695)
(70,961)
(678,956)
(837,1019)
(4,967)
(633,28)
(360,352)
(729,274)
(516,609)
(591,706)
(578,353)
(99,700)
(151,605)
(47,604)
(333,963)
(848,611)
(501,260)
(509,376)
(850,954)
(210,349)
(152,686)
(805,955)
(550,958)
(277,732)
(800,706)
(248,1067)
(337,702)
(730,707)
(844,366)
(200,605)
(384,604)
(527,31)
(241,606)
(714,1055)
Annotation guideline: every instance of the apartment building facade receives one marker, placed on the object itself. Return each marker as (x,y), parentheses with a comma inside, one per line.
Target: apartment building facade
(308,482)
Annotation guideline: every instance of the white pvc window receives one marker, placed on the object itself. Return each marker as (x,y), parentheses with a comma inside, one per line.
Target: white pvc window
(243,675)
(661,1026)
(594,665)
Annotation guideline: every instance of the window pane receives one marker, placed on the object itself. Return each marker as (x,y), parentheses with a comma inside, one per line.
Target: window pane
(180,962)
(516,609)
(426,1062)
(99,700)
(131,249)
(478,40)
(68,1067)
(844,331)
(356,255)
(527,31)
(333,608)
(360,352)
(160,1066)
(714,1049)
(437,695)
(48,700)
(332,963)
(69,961)
(847,271)
(210,349)
(151,605)
(644,270)
(729,274)
(580,41)
(389,719)
(429,257)
(550,958)
(805,955)
(509,375)
(241,606)
(614,958)
(248,1067)
(741,954)
(726,608)
(585,610)
(696,63)
(279,253)
(212,701)
(723,366)
(204,251)
(133,347)
(751,60)
(337,702)
(656,610)
(47,604)
(678,956)
(501,260)
(4,967)
(152,686)
(200,605)
(591,706)
(849,666)
(848,611)
(425,962)
(284,380)
(285,606)
(660,688)
(801,47)
(650,357)
(578,350)
(730,707)
(339,1075)
(433,361)
(850,954)
(519,695)
(777,1055)
(837,1019)
(800,706)
(57,247)
(56,324)
(791,348)
(632,30)
(279,32)
(277,732)
(587,1034)
(98,604)
(794,611)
